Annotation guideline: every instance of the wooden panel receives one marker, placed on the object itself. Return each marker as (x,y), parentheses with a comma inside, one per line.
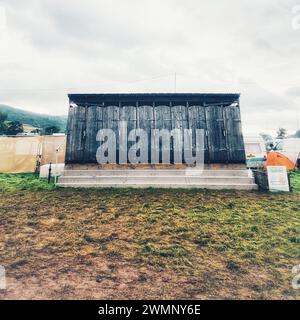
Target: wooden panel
(91,131)
(197,120)
(77,134)
(70,136)
(129,114)
(146,117)
(146,122)
(162,116)
(216,134)
(111,117)
(235,142)
(94,123)
(179,116)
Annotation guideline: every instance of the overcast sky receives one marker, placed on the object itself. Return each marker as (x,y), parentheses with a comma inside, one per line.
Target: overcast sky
(49,48)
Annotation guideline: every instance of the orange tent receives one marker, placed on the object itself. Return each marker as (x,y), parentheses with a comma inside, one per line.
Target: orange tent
(275,158)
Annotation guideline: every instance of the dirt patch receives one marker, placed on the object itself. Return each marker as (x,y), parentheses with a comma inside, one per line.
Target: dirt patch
(149,244)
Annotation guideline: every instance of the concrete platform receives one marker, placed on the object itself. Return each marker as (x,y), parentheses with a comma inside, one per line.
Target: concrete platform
(139,178)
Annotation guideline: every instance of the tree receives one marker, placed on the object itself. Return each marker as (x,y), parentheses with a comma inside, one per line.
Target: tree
(52,129)
(14,127)
(36,131)
(268,140)
(266,137)
(3,128)
(3,116)
(3,125)
(281,133)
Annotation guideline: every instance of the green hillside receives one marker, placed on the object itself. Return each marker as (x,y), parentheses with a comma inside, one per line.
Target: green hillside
(34,119)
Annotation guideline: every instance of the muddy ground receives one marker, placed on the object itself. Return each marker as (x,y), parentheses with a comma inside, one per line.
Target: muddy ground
(149,244)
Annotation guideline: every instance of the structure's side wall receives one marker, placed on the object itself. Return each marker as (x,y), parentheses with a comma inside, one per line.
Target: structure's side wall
(235,142)
(216,134)
(223,141)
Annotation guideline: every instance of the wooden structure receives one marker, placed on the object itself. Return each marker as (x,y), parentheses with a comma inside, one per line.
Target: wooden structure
(217,114)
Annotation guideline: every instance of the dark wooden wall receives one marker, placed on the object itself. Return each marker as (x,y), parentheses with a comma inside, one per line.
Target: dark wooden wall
(222,124)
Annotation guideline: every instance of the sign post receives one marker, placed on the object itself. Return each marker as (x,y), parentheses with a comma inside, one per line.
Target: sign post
(278,178)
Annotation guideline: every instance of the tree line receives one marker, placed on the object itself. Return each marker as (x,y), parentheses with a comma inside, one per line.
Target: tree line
(13,128)
(281,133)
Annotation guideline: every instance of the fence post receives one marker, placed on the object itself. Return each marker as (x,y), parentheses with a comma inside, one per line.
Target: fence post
(49,174)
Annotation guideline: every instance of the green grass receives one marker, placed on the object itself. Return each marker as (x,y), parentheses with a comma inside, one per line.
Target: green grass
(24,181)
(295,180)
(233,243)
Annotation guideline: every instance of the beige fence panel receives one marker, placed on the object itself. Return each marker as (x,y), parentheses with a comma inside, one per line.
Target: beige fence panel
(50,144)
(21,154)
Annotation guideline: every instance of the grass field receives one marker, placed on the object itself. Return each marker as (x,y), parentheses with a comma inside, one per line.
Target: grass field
(158,244)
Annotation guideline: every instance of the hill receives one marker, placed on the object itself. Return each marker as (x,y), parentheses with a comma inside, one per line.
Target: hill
(33,119)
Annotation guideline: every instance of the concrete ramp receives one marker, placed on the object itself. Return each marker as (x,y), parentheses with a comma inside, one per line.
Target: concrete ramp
(138,178)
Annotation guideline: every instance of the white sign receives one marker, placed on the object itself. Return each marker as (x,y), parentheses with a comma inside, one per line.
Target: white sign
(2,278)
(278,178)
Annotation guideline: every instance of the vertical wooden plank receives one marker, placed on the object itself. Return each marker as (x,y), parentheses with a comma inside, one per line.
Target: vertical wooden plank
(197,120)
(129,113)
(110,115)
(162,115)
(202,124)
(94,122)
(179,121)
(70,134)
(81,134)
(179,117)
(91,129)
(77,134)
(236,148)
(216,134)
(146,122)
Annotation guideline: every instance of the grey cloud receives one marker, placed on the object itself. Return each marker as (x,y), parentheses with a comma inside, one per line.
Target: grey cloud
(258,99)
(53,47)
(293,92)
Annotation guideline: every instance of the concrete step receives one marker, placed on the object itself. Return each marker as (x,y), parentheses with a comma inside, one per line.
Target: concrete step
(155,179)
(158,178)
(156,172)
(215,186)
